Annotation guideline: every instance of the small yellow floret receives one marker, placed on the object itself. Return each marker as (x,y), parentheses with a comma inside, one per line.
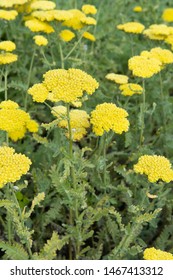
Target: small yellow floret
(168,15)
(130,89)
(8,15)
(8,46)
(36,25)
(43,5)
(66,35)
(117,78)
(40,40)
(137,9)
(89,36)
(7,58)
(89,9)
(131,27)
(39,92)
(156,254)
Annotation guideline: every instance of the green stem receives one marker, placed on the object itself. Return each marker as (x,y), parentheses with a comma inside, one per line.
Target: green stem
(74,184)
(163,111)
(9,222)
(45,58)
(29,78)
(74,47)
(22,222)
(104,156)
(5,83)
(142,114)
(62,56)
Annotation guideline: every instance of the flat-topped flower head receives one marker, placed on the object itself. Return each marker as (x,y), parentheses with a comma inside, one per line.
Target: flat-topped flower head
(144,67)
(168,15)
(130,89)
(117,78)
(157,31)
(67,35)
(15,121)
(12,165)
(8,15)
(39,92)
(89,36)
(108,116)
(155,167)
(36,25)
(164,55)
(43,5)
(89,9)
(131,27)
(137,9)
(75,20)
(8,46)
(40,40)
(79,121)
(7,58)
(68,85)
(11,3)
(156,254)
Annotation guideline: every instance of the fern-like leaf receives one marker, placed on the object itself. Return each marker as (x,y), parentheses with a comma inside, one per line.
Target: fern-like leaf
(14,251)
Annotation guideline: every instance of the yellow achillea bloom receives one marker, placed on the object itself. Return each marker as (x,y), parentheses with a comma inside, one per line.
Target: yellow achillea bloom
(131,27)
(89,9)
(36,25)
(59,15)
(157,31)
(117,78)
(89,36)
(8,46)
(43,5)
(144,67)
(15,121)
(7,58)
(66,35)
(10,3)
(75,20)
(165,56)
(68,85)
(108,116)
(12,165)
(168,15)
(155,167)
(88,21)
(39,92)
(137,9)
(79,121)
(8,15)
(130,89)
(40,40)
(156,254)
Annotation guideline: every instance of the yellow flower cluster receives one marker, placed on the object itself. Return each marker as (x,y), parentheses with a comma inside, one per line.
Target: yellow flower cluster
(130,89)
(59,15)
(168,15)
(8,15)
(117,78)
(144,67)
(108,116)
(89,36)
(78,20)
(63,85)
(43,5)
(89,9)
(40,40)
(66,35)
(15,121)
(36,25)
(156,254)
(163,55)
(11,3)
(137,9)
(157,31)
(12,165)
(131,27)
(155,167)
(8,46)
(79,121)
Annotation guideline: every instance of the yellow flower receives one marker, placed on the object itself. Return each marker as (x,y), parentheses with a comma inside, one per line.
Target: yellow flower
(165,56)
(43,5)
(59,15)
(68,85)
(157,31)
(79,121)
(89,36)
(88,21)
(12,165)
(130,89)
(36,25)
(8,46)
(40,40)
(15,121)
(89,9)
(155,167)
(10,3)
(7,58)
(168,15)
(131,27)
(137,9)
(156,254)
(144,67)
(66,35)
(8,15)
(117,78)
(39,92)
(108,116)
(75,20)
